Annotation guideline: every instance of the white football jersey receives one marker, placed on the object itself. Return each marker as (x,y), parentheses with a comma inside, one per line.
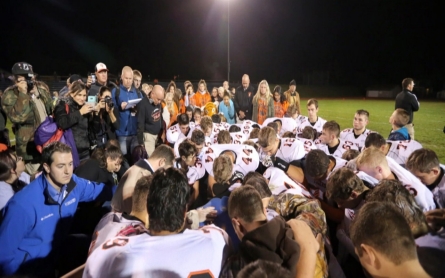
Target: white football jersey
(238,137)
(401,150)
(195,172)
(422,195)
(308,144)
(246,157)
(287,124)
(342,147)
(290,149)
(193,253)
(280,182)
(174,132)
(318,125)
(359,141)
(215,131)
(109,226)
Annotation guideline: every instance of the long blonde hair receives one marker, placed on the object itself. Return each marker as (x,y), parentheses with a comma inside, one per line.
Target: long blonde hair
(170,107)
(268,92)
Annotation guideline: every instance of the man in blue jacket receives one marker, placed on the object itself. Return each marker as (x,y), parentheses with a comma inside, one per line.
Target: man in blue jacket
(37,219)
(126,134)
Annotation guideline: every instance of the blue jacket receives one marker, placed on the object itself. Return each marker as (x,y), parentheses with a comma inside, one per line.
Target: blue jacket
(399,135)
(34,225)
(128,123)
(229,112)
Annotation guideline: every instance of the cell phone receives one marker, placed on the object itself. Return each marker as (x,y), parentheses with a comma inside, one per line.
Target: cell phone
(93,77)
(92,99)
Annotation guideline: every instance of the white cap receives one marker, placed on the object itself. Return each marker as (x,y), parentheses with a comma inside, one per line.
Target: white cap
(100,67)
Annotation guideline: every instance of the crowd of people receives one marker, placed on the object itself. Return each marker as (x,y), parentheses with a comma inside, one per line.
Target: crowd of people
(132,179)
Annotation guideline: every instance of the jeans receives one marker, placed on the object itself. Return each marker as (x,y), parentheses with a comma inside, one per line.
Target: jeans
(127,144)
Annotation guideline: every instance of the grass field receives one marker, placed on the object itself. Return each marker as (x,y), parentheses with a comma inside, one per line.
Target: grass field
(429,121)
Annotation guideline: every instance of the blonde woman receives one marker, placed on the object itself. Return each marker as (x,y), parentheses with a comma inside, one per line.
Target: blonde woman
(171,107)
(263,107)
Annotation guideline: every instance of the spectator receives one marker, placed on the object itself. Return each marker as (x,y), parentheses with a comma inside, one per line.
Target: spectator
(227,108)
(189,112)
(292,96)
(69,82)
(378,255)
(42,213)
(106,118)
(26,104)
(202,96)
(12,175)
(146,88)
(221,93)
(4,132)
(226,87)
(101,72)
(407,101)
(149,119)
(189,100)
(162,157)
(280,102)
(78,117)
(263,107)
(215,98)
(176,93)
(398,121)
(171,107)
(166,204)
(127,132)
(243,97)
(137,79)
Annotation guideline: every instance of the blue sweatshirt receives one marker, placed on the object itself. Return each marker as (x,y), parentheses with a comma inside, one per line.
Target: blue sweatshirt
(399,135)
(229,112)
(128,120)
(34,224)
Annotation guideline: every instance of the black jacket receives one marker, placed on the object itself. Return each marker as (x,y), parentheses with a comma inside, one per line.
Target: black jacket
(243,101)
(104,128)
(408,101)
(149,118)
(78,123)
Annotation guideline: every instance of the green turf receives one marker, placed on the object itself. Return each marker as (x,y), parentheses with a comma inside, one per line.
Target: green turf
(429,121)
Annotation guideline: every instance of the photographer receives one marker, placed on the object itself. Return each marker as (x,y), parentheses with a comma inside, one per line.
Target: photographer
(106,120)
(26,104)
(78,118)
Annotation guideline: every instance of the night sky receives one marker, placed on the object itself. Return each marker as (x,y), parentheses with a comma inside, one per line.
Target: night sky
(357,42)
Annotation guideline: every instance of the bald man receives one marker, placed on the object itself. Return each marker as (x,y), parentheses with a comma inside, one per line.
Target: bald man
(243,99)
(126,134)
(149,119)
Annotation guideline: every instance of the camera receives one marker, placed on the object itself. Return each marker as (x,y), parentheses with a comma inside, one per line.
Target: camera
(108,101)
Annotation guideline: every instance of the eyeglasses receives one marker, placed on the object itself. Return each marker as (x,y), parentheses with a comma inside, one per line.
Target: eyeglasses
(19,158)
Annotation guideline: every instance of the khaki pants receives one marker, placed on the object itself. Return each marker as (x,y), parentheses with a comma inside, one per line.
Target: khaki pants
(150,142)
(410,128)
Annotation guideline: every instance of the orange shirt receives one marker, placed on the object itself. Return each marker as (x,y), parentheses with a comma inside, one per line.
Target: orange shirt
(262,111)
(201,99)
(280,108)
(173,114)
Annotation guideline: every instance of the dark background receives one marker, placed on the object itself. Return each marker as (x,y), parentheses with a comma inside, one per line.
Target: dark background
(357,42)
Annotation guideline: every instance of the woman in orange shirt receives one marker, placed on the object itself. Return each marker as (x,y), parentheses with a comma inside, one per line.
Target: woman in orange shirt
(262,103)
(202,96)
(279,102)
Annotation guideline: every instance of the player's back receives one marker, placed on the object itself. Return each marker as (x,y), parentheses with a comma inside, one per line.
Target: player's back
(188,254)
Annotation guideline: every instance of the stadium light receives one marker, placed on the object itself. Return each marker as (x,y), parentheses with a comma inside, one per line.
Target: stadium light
(228,41)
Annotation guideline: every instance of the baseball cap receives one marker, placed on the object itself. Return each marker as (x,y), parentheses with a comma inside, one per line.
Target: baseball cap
(75,77)
(22,68)
(100,67)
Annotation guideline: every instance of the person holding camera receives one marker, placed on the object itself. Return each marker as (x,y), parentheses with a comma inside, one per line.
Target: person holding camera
(106,119)
(73,112)
(26,104)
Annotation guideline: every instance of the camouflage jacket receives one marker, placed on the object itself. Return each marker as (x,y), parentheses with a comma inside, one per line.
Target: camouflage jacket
(22,112)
